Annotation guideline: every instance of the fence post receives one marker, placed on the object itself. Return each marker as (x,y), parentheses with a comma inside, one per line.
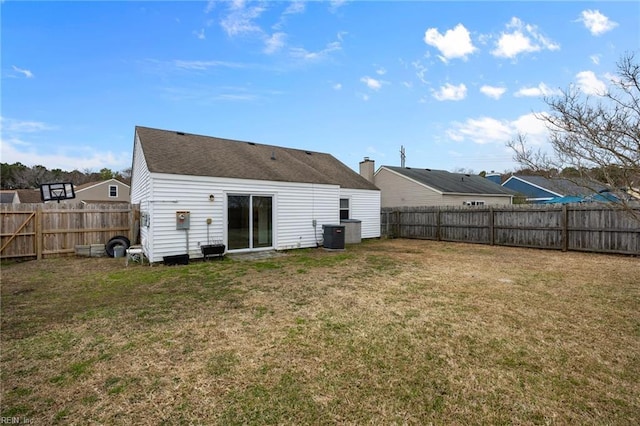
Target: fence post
(438,235)
(492,238)
(387,224)
(565,231)
(38,238)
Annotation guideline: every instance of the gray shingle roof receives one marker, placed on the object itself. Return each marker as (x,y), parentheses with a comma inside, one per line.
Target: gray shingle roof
(456,183)
(187,154)
(7,197)
(577,187)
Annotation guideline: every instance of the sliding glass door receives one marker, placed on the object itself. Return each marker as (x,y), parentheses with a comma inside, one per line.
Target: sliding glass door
(250,221)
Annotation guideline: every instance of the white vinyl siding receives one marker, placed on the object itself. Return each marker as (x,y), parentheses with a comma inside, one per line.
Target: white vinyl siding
(140,176)
(364,206)
(295,206)
(141,194)
(298,205)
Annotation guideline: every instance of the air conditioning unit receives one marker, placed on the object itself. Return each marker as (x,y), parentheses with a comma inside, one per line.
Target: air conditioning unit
(333,237)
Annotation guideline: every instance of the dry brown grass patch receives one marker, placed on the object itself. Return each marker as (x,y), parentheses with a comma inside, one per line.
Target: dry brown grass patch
(390,331)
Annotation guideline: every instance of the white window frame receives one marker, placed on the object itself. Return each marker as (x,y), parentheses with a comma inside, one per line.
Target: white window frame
(347,209)
(116,191)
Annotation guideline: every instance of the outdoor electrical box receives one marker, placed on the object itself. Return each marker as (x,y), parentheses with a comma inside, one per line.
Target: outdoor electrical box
(182,220)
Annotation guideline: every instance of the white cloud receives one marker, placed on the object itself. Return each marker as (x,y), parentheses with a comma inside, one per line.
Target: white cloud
(211,4)
(449,92)
(521,38)
(493,91)
(539,90)
(17,146)
(200,34)
(334,5)
(533,127)
(295,7)
(207,94)
(240,19)
(590,84)
(481,131)
(371,83)
(596,22)
(421,70)
(337,86)
(14,150)
(595,59)
(381,71)
(26,73)
(204,65)
(274,43)
(301,53)
(455,43)
(487,130)
(13,126)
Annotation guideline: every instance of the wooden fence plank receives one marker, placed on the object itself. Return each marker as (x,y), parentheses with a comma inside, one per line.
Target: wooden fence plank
(8,241)
(55,229)
(598,228)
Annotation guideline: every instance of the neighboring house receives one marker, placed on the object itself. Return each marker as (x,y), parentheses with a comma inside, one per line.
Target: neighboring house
(539,189)
(30,196)
(17,196)
(106,191)
(410,186)
(194,190)
(9,197)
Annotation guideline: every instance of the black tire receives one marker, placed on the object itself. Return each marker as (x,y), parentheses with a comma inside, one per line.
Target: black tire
(115,242)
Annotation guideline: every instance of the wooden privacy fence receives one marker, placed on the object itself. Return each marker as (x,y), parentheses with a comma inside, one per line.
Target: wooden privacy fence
(46,230)
(600,229)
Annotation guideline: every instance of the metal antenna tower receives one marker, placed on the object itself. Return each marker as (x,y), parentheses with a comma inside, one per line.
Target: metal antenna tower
(403,157)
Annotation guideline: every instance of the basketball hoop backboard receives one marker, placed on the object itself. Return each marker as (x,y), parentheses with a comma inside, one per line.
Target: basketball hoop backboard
(57,191)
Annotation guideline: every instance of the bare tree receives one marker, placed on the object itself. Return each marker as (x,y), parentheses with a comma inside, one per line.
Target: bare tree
(596,137)
(32,177)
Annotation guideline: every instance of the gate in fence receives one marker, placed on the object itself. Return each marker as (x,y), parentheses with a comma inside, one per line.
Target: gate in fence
(46,230)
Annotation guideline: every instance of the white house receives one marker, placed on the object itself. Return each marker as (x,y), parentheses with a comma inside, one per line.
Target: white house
(195,190)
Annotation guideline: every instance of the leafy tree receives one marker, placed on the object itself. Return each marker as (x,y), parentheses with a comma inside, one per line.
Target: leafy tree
(8,171)
(19,176)
(106,174)
(592,137)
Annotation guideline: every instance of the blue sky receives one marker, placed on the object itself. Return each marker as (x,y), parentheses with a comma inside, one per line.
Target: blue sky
(452,81)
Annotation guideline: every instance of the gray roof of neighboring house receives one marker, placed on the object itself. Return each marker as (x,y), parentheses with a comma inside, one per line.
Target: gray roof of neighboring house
(7,197)
(187,154)
(580,187)
(447,182)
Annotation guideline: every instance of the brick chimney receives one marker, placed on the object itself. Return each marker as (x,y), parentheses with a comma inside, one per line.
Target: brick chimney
(367,167)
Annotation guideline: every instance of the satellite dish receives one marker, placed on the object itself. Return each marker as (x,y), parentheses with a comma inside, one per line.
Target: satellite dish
(57,191)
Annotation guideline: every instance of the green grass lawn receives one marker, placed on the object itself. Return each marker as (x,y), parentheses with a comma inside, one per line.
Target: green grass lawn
(386,332)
